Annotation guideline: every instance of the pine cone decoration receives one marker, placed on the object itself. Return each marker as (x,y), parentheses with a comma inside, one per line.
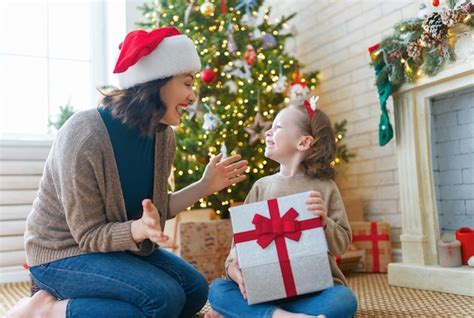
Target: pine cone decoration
(414,50)
(426,40)
(434,25)
(449,17)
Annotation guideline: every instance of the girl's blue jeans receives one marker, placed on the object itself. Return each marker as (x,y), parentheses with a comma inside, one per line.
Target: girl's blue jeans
(335,302)
(121,284)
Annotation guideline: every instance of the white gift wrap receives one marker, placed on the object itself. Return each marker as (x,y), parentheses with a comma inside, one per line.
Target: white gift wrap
(261,267)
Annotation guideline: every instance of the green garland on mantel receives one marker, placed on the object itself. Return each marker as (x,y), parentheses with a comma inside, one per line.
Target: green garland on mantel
(417,46)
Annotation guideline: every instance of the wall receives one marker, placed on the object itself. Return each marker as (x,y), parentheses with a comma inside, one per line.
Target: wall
(21,167)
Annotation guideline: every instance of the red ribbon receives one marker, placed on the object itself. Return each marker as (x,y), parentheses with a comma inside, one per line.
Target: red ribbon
(450,250)
(276,229)
(311,111)
(375,239)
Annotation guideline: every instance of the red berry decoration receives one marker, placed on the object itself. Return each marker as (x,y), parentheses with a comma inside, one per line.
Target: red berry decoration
(395,55)
(435,3)
(208,75)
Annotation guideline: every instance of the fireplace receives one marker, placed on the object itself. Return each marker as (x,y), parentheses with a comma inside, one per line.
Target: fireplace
(423,198)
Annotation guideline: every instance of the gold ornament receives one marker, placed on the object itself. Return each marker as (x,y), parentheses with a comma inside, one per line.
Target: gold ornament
(467,19)
(207,9)
(451,38)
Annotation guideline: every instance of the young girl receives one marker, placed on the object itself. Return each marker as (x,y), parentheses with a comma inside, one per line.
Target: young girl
(301,140)
(91,238)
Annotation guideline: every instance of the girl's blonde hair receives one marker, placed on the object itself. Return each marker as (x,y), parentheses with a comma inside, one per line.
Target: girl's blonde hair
(317,163)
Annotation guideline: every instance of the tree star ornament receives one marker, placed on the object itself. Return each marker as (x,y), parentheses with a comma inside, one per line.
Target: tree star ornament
(257,129)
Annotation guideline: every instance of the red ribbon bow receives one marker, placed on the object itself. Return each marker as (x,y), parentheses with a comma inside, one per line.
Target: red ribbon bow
(277,228)
(268,230)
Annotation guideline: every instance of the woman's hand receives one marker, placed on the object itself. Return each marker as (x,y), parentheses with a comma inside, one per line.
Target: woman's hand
(235,274)
(315,204)
(149,227)
(220,174)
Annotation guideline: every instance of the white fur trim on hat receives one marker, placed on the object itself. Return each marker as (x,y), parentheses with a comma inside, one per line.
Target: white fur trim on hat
(175,55)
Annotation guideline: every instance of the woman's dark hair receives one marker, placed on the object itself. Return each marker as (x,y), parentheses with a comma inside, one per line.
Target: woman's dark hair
(317,164)
(139,106)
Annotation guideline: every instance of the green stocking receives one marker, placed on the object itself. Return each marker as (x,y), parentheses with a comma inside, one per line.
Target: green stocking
(384,90)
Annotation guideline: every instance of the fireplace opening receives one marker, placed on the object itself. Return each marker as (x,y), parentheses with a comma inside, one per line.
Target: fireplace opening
(452,144)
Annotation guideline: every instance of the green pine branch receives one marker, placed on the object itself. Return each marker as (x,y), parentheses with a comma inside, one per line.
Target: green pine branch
(65,112)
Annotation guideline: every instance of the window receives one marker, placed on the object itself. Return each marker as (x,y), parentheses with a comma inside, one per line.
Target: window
(51,53)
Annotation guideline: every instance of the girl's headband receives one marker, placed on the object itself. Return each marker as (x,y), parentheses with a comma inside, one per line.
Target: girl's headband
(311,106)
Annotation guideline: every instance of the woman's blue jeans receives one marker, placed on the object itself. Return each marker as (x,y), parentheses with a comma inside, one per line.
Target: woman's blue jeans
(336,302)
(121,284)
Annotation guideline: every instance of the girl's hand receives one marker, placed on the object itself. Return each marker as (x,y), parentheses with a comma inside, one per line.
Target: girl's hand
(315,205)
(149,227)
(220,174)
(235,274)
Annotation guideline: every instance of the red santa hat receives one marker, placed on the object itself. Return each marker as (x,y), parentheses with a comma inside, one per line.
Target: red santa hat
(147,56)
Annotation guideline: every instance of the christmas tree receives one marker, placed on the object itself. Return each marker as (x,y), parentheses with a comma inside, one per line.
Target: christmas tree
(245,81)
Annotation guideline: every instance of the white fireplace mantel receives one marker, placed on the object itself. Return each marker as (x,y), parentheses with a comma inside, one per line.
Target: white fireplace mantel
(420,227)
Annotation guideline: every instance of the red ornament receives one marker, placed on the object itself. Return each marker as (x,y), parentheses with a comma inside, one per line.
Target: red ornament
(395,55)
(435,3)
(250,55)
(208,75)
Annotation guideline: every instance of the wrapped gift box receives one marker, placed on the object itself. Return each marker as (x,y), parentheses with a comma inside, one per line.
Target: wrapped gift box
(281,248)
(172,225)
(205,244)
(374,239)
(351,260)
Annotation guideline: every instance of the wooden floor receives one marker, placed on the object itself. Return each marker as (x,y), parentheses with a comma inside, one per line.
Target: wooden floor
(376,299)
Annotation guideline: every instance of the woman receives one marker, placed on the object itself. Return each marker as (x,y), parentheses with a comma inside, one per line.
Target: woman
(92,236)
